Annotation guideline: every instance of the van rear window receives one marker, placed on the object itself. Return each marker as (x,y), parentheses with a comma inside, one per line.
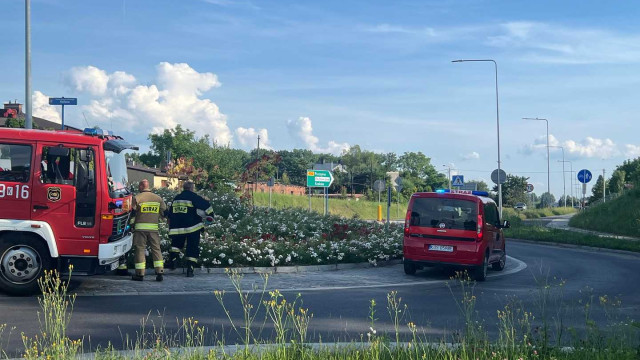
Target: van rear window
(444,213)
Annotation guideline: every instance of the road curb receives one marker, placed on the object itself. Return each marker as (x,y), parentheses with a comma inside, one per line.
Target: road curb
(574,246)
(283,269)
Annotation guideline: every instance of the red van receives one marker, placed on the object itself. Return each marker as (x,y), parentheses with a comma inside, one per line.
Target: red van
(456,228)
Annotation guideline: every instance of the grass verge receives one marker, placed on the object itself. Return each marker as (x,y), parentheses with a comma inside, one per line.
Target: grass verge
(540,233)
(537,213)
(620,216)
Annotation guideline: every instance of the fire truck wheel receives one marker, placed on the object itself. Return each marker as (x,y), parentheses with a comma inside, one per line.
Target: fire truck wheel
(23,261)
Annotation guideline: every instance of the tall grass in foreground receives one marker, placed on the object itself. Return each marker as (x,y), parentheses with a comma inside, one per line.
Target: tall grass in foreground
(520,334)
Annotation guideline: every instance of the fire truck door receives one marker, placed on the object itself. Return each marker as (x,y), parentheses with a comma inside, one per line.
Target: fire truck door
(15,179)
(64,195)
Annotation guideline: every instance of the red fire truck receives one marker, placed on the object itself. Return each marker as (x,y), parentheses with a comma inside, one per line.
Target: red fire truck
(64,201)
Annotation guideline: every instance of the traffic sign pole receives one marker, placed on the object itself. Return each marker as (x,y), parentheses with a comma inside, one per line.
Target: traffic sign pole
(63,101)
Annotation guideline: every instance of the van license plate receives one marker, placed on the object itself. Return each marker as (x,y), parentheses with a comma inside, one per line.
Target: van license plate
(441,248)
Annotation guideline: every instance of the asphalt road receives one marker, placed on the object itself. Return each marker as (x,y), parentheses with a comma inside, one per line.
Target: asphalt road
(342,314)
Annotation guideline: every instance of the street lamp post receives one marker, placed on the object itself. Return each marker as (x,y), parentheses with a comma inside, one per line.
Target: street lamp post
(497,123)
(570,172)
(27,66)
(548,166)
(449,172)
(564,189)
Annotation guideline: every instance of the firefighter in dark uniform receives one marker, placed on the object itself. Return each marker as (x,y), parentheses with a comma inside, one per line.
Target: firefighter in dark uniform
(185,225)
(148,208)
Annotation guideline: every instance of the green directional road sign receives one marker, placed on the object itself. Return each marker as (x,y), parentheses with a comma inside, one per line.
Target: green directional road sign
(319,178)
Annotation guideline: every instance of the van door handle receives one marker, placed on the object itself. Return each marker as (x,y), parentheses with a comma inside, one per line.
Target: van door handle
(40,207)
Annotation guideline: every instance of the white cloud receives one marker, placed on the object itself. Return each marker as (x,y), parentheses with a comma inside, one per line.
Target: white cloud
(591,148)
(87,79)
(248,138)
(588,148)
(549,43)
(120,102)
(42,109)
(632,151)
(396,29)
(302,131)
(470,156)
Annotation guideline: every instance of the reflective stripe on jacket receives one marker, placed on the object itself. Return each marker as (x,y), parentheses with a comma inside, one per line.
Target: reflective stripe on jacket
(183,213)
(148,208)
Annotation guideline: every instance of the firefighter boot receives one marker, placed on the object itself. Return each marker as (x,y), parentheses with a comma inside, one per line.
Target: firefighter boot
(136,277)
(159,277)
(122,267)
(173,258)
(122,270)
(190,268)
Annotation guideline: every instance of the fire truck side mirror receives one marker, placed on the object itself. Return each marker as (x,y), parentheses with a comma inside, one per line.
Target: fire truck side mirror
(58,151)
(86,155)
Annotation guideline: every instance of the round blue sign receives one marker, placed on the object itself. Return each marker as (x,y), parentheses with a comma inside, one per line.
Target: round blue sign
(584,176)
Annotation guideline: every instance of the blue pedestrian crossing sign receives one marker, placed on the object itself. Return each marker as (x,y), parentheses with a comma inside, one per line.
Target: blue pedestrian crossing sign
(457,180)
(584,176)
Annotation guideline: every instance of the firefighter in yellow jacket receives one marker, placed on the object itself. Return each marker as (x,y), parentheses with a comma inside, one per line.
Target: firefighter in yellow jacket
(148,208)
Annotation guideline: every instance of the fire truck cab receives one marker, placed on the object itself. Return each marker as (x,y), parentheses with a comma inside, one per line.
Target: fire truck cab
(64,202)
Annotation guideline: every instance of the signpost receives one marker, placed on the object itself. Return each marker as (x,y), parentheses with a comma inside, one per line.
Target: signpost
(270,183)
(501,179)
(584,176)
(457,180)
(398,190)
(323,179)
(379,186)
(63,101)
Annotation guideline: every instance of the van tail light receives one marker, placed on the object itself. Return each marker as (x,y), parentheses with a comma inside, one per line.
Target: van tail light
(407,219)
(479,232)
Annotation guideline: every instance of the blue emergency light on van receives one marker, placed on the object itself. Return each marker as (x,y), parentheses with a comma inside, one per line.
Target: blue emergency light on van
(467,192)
(97,132)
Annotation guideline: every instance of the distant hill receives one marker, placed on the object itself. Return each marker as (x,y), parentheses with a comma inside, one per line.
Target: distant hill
(619,216)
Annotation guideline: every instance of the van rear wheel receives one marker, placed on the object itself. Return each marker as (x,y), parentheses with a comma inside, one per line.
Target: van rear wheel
(409,268)
(23,260)
(499,266)
(481,271)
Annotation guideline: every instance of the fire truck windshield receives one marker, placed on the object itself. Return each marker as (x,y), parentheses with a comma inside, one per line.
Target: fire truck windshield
(116,174)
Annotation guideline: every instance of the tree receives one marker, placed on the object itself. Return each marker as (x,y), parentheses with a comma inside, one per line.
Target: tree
(616,182)
(513,190)
(597,189)
(631,169)
(570,200)
(546,200)
(295,164)
(285,179)
(480,185)
(18,123)
(417,168)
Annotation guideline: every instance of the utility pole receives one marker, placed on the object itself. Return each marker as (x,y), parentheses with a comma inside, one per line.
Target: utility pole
(257,165)
(604,187)
(548,166)
(449,174)
(28,122)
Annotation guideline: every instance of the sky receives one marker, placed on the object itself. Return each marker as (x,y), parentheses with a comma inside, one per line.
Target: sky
(326,75)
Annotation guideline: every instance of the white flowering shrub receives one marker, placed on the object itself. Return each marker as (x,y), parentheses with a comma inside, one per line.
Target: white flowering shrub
(241,236)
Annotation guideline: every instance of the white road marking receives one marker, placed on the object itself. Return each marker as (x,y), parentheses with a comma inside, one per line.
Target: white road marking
(519,266)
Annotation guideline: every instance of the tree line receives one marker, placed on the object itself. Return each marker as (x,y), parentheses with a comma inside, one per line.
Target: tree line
(222,165)
(226,165)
